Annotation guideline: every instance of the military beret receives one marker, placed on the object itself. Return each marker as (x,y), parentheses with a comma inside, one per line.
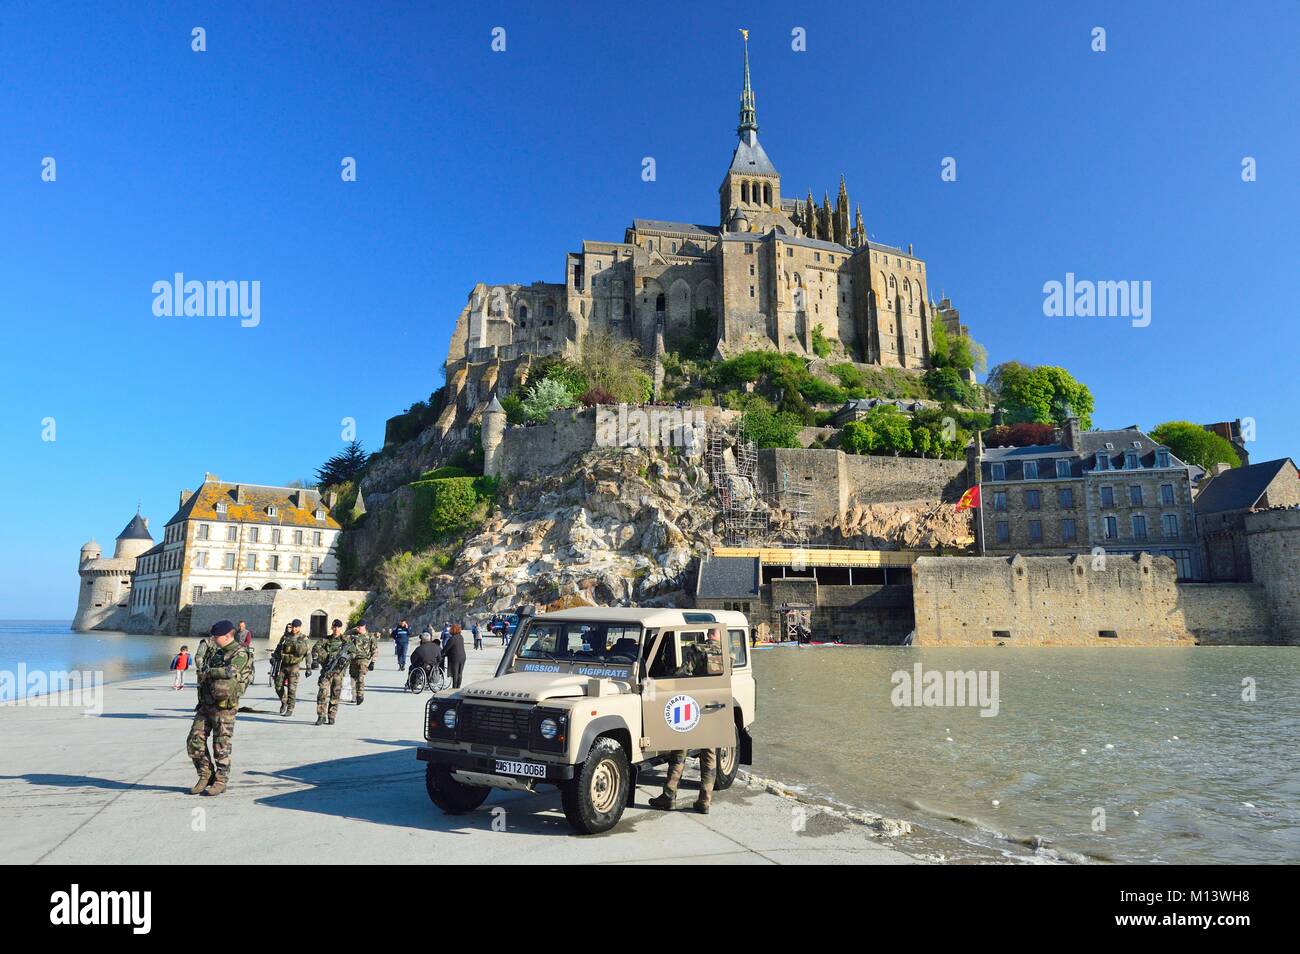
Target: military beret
(337,622)
(221,627)
(296,622)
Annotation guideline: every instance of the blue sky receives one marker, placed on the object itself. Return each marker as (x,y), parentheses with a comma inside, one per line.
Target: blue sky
(475,165)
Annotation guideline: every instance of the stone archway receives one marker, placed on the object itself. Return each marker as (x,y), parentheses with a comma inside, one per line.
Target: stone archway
(271,586)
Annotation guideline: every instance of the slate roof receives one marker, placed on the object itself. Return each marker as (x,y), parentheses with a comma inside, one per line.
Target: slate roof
(137,529)
(1239,488)
(1083,459)
(728,578)
(750,157)
(658,225)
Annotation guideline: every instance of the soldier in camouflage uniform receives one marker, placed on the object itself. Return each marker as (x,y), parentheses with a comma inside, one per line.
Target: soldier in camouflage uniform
(294,648)
(694,663)
(365,650)
(224,673)
(329,685)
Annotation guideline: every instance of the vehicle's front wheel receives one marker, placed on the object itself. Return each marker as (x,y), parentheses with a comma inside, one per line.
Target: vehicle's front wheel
(728,766)
(593,799)
(453,797)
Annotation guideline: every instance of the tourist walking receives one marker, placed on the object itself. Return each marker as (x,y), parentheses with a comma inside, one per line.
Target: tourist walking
(401,639)
(180,663)
(453,650)
(245,635)
(226,673)
(478,636)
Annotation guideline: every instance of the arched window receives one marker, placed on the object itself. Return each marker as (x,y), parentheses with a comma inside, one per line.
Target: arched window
(744,192)
(767,194)
(661,304)
(523,312)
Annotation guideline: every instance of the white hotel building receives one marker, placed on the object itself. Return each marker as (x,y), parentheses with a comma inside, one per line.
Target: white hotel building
(228,537)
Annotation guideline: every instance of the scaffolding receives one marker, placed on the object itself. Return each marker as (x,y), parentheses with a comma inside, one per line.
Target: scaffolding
(793,499)
(733,470)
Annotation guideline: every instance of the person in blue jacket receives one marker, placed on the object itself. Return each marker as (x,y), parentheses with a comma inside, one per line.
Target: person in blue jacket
(401,637)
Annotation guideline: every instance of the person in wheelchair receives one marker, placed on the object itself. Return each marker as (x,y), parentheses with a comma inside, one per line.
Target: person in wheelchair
(426,664)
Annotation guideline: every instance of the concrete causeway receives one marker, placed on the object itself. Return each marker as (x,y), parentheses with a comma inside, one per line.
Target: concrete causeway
(113,788)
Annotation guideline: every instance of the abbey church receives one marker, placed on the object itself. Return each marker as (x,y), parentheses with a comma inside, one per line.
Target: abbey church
(773,272)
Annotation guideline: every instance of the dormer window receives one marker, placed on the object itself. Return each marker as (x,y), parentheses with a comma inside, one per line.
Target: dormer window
(221,507)
(1162,458)
(1031,470)
(320,514)
(270,511)
(998,471)
(1103,461)
(1131,461)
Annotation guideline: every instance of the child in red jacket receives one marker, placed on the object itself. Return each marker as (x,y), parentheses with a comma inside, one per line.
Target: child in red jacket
(180,663)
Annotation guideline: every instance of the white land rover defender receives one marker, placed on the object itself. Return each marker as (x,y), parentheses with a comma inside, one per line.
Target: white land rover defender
(585,698)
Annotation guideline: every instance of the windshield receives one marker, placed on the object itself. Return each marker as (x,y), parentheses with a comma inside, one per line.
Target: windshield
(573,641)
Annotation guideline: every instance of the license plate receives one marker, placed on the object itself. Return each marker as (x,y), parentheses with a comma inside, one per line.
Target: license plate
(526,769)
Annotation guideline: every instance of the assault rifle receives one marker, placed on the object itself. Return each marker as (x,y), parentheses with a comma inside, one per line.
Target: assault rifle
(201,658)
(336,661)
(275,663)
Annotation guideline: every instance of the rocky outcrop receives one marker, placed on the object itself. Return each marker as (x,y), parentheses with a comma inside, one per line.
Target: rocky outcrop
(623,526)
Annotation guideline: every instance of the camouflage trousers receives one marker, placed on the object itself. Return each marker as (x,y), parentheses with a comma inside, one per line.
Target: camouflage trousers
(328,690)
(286,684)
(708,771)
(358,671)
(220,724)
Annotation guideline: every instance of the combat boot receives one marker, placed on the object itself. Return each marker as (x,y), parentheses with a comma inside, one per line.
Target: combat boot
(331,722)
(216,788)
(702,807)
(283,709)
(360,699)
(664,802)
(201,784)
(320,720)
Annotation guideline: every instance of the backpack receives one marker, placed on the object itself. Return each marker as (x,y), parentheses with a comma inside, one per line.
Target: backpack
(176,660)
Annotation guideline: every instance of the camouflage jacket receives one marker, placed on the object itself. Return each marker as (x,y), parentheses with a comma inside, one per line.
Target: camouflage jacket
(365,647)
(224,675)
(323,649)
(294,649)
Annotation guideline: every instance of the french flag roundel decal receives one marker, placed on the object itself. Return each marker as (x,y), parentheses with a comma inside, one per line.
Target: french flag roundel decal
(682,713)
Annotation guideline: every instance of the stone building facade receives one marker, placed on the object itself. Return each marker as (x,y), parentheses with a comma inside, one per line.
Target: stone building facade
(267,612)
(104,598)
(229,537)
(774,271)
(1117,490)
(1223,502)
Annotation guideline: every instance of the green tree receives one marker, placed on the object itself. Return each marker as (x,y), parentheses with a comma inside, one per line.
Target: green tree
(1193,444)
(613,365)
(1044,395)
(343,467)
(768,427)
(513,405)
(883,430)
(546,396)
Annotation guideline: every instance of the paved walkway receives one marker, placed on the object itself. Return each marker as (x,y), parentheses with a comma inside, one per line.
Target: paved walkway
(114,788)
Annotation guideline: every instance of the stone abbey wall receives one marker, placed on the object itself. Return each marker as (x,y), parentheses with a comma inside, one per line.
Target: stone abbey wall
(1273,538)
(828,482)
(1041,601)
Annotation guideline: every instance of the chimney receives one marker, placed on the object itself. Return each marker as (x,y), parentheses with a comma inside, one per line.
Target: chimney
(240,495)
(1073,434)
(185,495)
(1219,468)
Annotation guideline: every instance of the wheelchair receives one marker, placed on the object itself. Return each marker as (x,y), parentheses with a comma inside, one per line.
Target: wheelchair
(433,678)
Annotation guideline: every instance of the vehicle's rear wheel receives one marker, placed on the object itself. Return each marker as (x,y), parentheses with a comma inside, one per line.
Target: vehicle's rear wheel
(728,765)
(594,799)
(453,797)
(417,681)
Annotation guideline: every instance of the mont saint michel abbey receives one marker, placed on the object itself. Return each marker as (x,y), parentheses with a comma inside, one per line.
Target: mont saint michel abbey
(771,270)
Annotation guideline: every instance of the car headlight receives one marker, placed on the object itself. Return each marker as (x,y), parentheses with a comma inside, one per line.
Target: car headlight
(549,729)
(449,718)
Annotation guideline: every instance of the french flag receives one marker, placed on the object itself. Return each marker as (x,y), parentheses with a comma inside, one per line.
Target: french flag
(682,714)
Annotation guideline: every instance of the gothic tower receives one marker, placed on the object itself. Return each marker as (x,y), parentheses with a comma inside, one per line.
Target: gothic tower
(750,194)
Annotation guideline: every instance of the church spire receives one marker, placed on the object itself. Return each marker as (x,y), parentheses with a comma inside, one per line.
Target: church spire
(748,116)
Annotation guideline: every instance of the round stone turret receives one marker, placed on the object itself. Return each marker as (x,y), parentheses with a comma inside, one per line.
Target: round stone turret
(494,428)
